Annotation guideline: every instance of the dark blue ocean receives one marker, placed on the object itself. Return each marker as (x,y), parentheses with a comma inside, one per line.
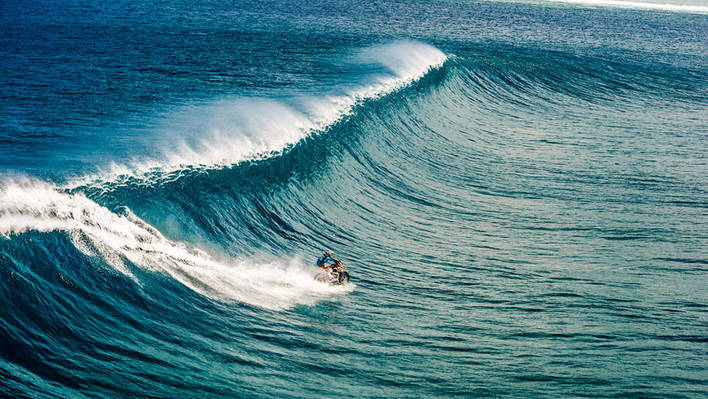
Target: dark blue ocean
(519,191)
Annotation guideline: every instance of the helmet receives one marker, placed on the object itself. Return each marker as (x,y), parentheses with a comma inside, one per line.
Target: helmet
(329,252)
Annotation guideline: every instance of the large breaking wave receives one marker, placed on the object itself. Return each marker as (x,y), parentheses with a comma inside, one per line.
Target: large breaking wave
(219,135)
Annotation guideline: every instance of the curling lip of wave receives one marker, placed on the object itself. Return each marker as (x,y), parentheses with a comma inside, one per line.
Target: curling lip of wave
(232,131)
(641,5)
(97,232)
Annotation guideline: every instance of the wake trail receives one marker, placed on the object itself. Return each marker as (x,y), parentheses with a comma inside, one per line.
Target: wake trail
(27,205)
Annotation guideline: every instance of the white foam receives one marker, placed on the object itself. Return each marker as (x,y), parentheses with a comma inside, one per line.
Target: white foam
(229,131)
(664,6)
(96,231)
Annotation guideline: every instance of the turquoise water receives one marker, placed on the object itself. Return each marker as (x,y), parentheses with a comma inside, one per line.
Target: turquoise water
(518,189)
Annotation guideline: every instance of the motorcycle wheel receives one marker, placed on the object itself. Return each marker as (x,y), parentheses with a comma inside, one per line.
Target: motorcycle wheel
(322,277)
(343,278)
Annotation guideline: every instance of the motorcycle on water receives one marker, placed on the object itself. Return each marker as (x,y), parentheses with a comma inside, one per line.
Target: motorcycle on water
(334,274)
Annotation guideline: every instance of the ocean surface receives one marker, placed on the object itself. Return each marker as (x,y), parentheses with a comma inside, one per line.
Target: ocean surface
(519,190)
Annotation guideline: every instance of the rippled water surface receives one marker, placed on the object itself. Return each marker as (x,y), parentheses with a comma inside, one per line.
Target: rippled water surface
(518,189)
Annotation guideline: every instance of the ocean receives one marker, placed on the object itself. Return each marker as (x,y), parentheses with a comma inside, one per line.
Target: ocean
(519,191)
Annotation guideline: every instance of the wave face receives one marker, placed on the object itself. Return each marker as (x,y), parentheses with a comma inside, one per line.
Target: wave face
(522,211)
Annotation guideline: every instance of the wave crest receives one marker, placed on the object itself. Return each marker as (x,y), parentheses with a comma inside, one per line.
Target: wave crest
(229,131)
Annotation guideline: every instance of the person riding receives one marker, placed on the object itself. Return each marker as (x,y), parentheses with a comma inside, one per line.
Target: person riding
(326,257)
(335,273)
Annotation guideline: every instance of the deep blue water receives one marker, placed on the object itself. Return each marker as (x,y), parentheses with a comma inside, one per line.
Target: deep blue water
(520,191)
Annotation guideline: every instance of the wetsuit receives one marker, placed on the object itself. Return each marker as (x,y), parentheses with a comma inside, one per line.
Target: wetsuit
(322,260)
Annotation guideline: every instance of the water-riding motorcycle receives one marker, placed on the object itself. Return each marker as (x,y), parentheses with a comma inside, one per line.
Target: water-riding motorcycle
(333,274)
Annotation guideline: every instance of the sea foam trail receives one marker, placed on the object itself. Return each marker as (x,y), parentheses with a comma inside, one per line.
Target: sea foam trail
(226,132)
(690,8)
(97,232)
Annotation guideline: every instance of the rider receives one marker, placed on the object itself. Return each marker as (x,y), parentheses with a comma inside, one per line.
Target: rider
(326,257)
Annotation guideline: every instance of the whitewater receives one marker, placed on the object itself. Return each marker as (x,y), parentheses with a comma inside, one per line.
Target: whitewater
(229,131)
(646,5)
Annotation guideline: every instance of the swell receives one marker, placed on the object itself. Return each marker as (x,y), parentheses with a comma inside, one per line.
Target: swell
(279,202)
(116,257)
(403,148)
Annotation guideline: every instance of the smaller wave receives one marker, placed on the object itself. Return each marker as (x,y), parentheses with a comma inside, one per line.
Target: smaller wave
(690,8)
(27,205)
